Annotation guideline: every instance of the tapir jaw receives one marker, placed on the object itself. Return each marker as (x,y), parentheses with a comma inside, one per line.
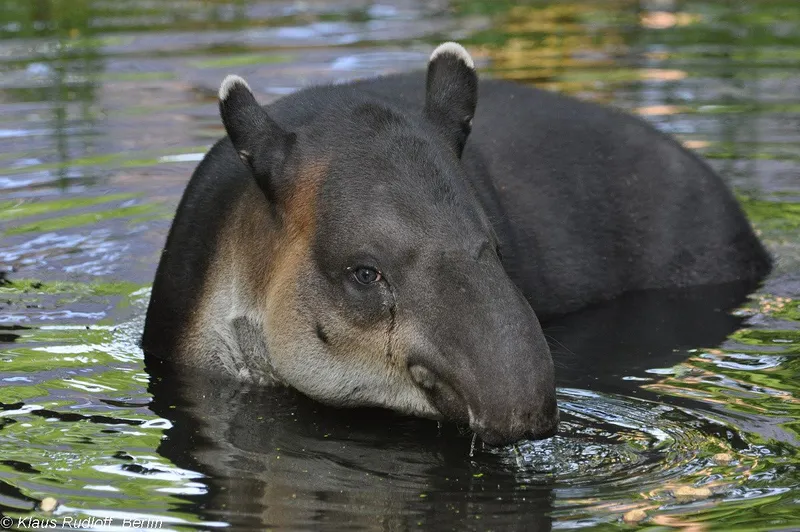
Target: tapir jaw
(495,422)
(353,382)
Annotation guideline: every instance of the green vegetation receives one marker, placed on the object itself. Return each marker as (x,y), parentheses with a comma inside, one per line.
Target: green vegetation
(77,220)
(10,210)
(773,216)
(32,286)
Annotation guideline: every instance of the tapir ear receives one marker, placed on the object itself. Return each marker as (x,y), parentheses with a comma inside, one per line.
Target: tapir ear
(451,92)
(260,142)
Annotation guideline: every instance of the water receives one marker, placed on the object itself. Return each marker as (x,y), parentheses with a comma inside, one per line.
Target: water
(671,406)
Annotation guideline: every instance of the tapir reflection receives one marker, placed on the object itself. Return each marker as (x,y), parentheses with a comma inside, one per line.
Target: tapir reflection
(276,459)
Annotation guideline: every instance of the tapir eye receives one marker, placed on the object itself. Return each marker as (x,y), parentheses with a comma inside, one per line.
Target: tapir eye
(366,275)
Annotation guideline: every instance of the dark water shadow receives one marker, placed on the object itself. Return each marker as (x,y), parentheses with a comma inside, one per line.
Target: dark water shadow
(274,458)
(595,348)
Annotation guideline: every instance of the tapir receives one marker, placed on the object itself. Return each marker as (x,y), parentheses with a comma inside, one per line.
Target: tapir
(395,242)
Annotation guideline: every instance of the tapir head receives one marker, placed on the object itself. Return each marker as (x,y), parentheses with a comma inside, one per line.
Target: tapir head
(386,286)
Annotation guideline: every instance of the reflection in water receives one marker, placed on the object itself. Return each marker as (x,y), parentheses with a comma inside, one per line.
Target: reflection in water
(274,458)
(640,331)
(64,72)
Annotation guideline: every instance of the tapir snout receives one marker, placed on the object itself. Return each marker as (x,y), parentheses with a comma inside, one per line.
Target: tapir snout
(481,356)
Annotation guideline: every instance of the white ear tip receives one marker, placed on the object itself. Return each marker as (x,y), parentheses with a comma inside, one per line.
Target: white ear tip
(228,83)
(453,48)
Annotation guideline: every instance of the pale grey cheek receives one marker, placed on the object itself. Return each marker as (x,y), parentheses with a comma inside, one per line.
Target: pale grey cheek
(312,368)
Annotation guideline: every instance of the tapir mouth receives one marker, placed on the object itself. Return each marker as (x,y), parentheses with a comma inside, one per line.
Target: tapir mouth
(494,423)
(514,432)
(446,398)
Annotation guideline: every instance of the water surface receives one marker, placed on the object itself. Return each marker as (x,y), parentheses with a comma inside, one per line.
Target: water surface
(671,405)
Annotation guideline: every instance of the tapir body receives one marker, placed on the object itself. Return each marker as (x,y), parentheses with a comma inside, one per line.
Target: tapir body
(392,241)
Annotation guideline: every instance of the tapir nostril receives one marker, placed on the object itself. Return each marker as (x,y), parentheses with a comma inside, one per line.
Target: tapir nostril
(422,376)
